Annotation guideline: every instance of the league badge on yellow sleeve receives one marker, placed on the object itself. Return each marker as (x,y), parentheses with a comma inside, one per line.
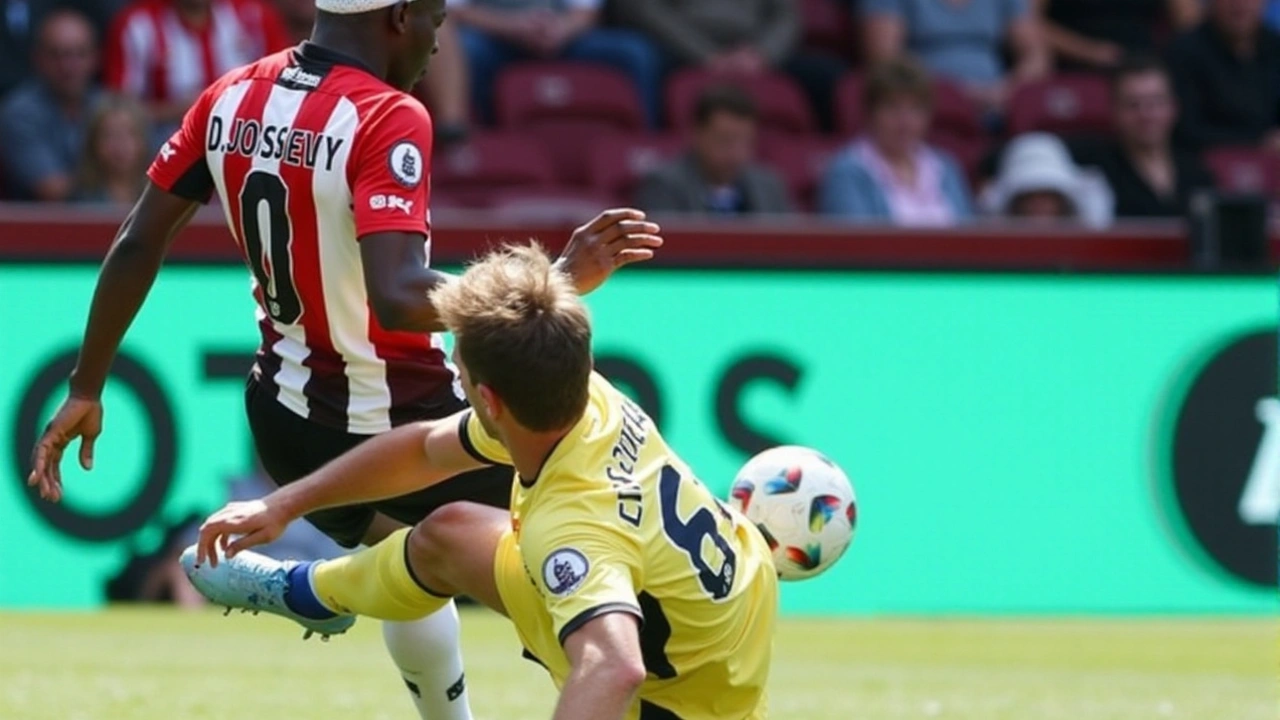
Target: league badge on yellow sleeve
(564,570)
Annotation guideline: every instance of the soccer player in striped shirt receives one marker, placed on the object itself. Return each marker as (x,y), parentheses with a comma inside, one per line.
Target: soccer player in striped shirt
(319,160)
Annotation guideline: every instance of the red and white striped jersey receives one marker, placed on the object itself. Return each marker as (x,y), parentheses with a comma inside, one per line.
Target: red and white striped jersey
(309,151)
(152,54)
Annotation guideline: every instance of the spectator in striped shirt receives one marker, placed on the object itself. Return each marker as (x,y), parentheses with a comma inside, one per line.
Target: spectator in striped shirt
(165,52)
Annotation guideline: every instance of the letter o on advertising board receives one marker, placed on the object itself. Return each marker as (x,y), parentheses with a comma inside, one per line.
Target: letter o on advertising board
(1225,458)
(140,508)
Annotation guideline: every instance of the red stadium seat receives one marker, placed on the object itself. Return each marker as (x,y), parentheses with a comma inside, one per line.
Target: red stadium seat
(954,112)
(567,143)
(782,104)
(967,150)
(827,25)
(529,94)
(469,173)
(617,162)
(1244,170)
(849,104)
(445,200)
(1072,104)
(547,205)
(801,161)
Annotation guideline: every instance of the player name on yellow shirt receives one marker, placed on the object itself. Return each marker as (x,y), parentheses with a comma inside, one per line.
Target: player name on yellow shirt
(626,453)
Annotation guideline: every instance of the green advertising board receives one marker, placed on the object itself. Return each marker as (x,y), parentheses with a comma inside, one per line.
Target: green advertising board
(1019,443)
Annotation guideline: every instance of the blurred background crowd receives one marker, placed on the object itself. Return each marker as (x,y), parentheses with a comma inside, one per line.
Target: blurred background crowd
(924,113)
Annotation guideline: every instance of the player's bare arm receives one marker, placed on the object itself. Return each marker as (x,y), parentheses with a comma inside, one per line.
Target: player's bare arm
(123,284)
(399,282)
(395,463)
(607,669)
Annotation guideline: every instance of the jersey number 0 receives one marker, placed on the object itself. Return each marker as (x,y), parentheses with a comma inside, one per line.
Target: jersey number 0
(266,244)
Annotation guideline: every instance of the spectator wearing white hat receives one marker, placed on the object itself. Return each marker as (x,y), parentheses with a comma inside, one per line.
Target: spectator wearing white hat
(1039,181)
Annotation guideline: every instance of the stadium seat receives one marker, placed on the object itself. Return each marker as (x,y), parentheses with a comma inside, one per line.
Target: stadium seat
(801,161)
(470,173)
(547,205)
(967,150)
(567,144)
(826,25)
(443,199)
(564,107)
(617,162)
(954,113)
(848,102)
(1244,170)
(530,94)
(1071,105)
(782,104)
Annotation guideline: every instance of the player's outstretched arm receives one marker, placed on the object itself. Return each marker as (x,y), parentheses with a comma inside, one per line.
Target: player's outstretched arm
(607,669)
(126,277)
(399,283)
(614,238)
(392,464)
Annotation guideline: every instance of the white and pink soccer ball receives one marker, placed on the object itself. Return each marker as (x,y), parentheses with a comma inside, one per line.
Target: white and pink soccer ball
(804,505)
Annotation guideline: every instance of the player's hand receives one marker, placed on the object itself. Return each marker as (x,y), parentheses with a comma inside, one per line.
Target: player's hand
(256,522)
(77,418)
(614,238)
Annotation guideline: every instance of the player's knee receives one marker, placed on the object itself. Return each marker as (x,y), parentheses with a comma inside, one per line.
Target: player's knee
(435,539)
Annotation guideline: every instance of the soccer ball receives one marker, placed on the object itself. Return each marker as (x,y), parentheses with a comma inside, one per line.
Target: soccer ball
(804,505)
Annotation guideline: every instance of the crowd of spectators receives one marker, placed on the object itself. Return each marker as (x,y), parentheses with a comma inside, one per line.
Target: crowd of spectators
(922,113)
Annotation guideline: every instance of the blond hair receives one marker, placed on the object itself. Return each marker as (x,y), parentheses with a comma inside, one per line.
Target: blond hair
(92,176)
(522,330)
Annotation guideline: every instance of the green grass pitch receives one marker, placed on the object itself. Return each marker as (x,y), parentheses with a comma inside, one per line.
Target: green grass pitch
(162,664)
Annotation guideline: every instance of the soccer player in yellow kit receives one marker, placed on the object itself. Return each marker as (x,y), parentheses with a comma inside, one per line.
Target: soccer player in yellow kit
(643,596)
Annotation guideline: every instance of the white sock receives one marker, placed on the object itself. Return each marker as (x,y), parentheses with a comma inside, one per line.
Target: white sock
(429,655)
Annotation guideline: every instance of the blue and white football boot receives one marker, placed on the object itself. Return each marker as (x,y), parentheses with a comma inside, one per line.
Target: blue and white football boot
(252,582)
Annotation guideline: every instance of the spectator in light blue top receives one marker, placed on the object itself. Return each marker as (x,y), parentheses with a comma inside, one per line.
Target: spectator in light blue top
(891,175)
(495,33)
(960,40)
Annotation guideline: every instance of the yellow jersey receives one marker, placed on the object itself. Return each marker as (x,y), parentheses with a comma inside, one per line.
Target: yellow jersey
(616,522)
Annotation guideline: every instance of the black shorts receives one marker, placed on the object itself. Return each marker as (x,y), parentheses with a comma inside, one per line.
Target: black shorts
(291,447)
